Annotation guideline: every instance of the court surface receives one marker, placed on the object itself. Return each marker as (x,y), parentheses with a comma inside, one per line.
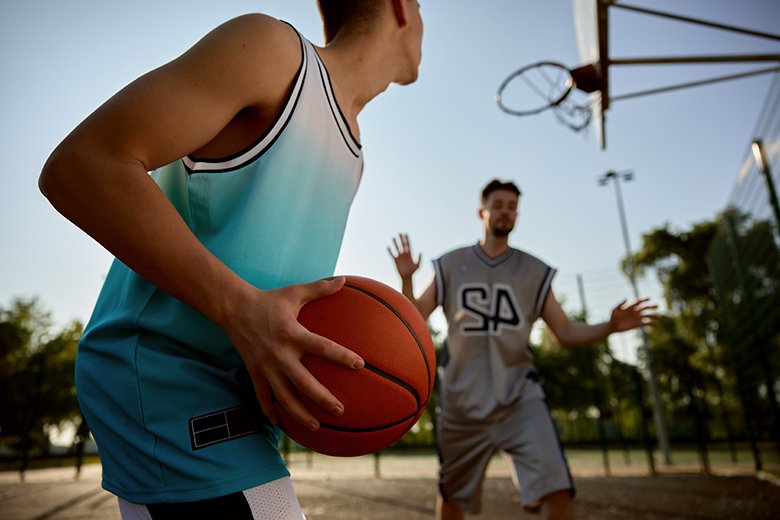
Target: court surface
(349,489)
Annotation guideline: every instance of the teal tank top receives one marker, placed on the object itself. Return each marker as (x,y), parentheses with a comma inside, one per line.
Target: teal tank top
(167,397)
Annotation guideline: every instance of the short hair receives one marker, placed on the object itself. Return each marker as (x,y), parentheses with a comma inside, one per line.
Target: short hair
(336,14)
(496,185)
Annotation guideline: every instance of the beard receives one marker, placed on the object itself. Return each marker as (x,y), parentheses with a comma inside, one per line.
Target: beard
(502,230)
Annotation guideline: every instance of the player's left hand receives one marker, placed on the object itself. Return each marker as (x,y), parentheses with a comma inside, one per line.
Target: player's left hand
(630,316)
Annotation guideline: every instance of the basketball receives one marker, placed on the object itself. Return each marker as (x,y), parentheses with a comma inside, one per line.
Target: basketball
(383,400)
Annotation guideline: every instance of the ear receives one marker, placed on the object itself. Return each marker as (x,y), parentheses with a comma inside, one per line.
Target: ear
(479,214)
(401,14)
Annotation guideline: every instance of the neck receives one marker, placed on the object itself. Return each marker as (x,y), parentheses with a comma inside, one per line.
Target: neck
(494,246)
(359,69)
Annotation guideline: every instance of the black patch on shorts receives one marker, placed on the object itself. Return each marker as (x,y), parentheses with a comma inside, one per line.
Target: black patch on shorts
(221,426)
(233,507)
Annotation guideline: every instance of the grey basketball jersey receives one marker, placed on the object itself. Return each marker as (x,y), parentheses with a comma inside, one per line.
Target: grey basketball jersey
(490,305)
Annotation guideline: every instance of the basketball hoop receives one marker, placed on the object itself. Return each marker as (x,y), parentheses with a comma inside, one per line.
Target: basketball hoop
(549,85)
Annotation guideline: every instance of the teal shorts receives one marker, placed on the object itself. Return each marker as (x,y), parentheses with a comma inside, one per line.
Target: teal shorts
(171,424)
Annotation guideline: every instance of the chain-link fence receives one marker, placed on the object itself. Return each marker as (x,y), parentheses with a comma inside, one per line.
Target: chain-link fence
(745,268)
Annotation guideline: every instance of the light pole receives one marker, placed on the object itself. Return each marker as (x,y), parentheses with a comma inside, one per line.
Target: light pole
(660,426)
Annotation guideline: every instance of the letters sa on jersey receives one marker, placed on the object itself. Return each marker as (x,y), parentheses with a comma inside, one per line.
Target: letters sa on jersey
(488,309)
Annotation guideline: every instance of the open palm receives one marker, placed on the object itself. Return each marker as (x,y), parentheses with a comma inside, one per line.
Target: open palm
(402,255)
(630,316)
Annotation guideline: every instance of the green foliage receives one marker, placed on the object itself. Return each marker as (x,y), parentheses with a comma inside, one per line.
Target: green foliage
(680,261)
(715,352)
(36,375)
(745,262)
(574,382)
(720,282)
(424,432)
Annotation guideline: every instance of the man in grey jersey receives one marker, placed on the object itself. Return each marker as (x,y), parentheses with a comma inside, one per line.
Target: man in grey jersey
(490,394)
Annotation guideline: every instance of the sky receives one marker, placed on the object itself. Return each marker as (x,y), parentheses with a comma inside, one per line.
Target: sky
(429,147)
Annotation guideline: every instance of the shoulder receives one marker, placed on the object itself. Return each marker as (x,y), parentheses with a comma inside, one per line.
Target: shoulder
(262,36)
(455,253)
(257,27)
(454,257)
(530,259)
(252,57)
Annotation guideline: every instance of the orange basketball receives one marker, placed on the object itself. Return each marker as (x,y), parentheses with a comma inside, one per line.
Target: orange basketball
(384,399)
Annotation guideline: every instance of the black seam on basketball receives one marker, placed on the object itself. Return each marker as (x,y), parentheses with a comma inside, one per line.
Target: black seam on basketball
(406,324)
(400,382)
(370,429)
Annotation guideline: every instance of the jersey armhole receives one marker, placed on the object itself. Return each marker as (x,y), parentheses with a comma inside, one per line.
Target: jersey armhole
(256,149)
(438,278)
(544,289)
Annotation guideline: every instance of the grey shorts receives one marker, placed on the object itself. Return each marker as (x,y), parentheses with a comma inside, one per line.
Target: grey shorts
(526,433)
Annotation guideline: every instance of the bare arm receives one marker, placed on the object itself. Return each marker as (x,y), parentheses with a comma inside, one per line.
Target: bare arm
(572,333)
(97,178)
(406,267)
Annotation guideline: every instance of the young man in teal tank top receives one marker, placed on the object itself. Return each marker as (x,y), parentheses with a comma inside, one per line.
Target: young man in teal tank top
(195,334)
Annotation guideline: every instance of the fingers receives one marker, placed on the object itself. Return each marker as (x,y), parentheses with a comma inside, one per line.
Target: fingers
(318,345)
(649,319)
(308,385)
(641,306)
(405,243)
(291,380)
(288,399)
(627,316)
(296,379)
(397,248)
(264,397)
(320,288)
(402,244)
(323,347)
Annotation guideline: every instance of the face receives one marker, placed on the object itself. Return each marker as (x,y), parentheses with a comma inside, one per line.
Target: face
(499,213)
(413,42)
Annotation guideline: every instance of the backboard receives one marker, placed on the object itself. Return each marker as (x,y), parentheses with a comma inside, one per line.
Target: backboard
(591,24)
(591,77)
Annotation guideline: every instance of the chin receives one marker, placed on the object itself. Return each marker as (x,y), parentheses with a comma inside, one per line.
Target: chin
(408,79)
(502,232)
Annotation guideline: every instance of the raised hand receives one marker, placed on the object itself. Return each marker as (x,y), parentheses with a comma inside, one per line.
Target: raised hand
(630,316)
(272,343)
(402,255)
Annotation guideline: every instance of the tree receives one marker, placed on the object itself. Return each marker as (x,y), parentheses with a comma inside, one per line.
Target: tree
(745,264)
(574,384)
(694,349)
(36,375)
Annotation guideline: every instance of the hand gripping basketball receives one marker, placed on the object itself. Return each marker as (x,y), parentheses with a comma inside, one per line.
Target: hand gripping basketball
(385,399)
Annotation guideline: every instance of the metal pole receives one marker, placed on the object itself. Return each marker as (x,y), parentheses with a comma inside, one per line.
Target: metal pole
(597,395)
(663,439)
(696,21)
(763,166)
(671,60)
(692,84)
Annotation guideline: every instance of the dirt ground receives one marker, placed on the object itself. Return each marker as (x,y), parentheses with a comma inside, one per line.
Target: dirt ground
(598,498)
(349,489)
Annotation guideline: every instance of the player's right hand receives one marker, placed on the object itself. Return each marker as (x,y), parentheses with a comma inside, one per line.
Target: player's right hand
(402,255)
(272,343)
